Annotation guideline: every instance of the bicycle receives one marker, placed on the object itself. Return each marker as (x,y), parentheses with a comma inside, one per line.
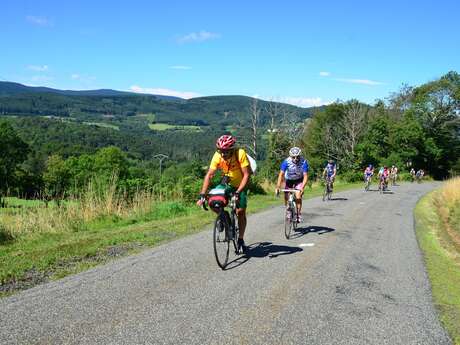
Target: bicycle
(393,178)
(383,185)
(290,216)
(327,194)
(226,228)
(367,183)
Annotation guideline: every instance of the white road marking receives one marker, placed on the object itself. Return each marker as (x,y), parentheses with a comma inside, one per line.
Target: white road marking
(306,245)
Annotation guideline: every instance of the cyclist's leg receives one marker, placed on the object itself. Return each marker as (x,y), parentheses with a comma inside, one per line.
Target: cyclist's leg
(241,213)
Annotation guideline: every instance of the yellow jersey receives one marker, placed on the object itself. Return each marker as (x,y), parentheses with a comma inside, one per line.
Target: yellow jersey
(231,167)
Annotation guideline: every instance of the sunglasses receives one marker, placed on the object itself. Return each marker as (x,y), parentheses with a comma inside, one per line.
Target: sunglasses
(225,152)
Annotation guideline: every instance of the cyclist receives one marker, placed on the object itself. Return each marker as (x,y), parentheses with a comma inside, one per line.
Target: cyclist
(412,174)
(294,171)
(368,173)
(234,165)
(394,174)
(383,176)
(330,170)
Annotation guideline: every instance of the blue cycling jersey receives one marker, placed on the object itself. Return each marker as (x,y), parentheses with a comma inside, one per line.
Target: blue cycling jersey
(294,170)
(330,169)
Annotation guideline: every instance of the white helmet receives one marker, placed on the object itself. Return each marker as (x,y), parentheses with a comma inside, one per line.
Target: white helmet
(295,152)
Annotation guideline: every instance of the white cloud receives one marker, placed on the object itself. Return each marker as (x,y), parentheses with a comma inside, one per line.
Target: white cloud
(324,74)
(36,68)
(164,92)
(180,67)
(360,81)
(198,37)
(38,20)
(304,102)
(75,76)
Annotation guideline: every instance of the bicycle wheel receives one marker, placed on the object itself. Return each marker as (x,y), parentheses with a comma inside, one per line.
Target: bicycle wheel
(329,192)
(235,229)
(325,193)
(288,222)
(221,242)
(294,217)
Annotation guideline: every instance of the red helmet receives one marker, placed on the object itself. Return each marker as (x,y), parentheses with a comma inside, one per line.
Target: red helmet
(226,142)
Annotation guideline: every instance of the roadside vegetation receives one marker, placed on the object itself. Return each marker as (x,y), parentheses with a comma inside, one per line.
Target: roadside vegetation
(39,243)
(438,231)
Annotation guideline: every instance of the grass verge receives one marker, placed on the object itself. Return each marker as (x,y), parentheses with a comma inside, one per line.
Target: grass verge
(442,268)
(43,256)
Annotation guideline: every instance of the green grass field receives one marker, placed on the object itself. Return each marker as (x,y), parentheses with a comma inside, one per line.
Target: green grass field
(55,254)
(443,271)
(102,124)
(165,126)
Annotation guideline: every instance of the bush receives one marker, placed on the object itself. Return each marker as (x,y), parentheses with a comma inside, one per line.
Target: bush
(352,176)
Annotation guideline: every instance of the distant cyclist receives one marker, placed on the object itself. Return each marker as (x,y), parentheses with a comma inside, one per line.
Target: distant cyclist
(412,174)
(393,174)
(384,174)
(329,172)
(294,171)
(368,173)
(234,165)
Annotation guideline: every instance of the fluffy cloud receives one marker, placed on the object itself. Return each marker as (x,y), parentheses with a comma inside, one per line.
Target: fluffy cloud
(198,37)
(304,102)
(324,74)
(164,92)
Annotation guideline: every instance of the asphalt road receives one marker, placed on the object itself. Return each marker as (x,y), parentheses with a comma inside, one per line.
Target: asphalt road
(353,274)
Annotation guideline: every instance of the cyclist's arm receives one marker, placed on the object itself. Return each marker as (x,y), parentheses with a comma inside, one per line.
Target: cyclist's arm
(207,180)
(245,179)
(280,179)
(305,180)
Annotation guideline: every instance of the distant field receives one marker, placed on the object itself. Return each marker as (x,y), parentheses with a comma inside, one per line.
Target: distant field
(150,117)
(165,126)
(102,124)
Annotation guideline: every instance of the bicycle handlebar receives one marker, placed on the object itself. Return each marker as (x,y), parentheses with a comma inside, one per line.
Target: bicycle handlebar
(289,190)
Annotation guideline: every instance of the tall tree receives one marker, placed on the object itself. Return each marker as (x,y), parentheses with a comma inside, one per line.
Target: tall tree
(13,151)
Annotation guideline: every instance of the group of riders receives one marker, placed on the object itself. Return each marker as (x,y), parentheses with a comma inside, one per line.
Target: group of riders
(385,175)
(235,167)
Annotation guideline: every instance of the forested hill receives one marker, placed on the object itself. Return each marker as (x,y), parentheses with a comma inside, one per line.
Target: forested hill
(17,99)
(9,89)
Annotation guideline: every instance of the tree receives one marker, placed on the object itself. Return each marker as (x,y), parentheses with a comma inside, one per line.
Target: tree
(13,151)
(56,178)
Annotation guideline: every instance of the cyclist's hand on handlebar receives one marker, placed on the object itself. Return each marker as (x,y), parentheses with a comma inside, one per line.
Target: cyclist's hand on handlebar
(277,192)
(201,200)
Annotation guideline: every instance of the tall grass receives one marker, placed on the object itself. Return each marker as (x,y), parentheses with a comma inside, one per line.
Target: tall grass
(98,201)
(447,202)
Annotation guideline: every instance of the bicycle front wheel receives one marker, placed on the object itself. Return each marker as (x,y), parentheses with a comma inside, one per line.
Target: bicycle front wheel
(325,193)
(221,241)
(288,222)
(236,231)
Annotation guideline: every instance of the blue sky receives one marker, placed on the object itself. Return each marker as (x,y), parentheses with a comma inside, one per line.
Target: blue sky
(301,52)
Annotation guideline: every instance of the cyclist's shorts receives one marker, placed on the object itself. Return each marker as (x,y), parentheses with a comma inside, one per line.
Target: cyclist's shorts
(243,200)
(295,184)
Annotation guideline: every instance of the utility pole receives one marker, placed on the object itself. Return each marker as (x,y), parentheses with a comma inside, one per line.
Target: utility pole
(161,157)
